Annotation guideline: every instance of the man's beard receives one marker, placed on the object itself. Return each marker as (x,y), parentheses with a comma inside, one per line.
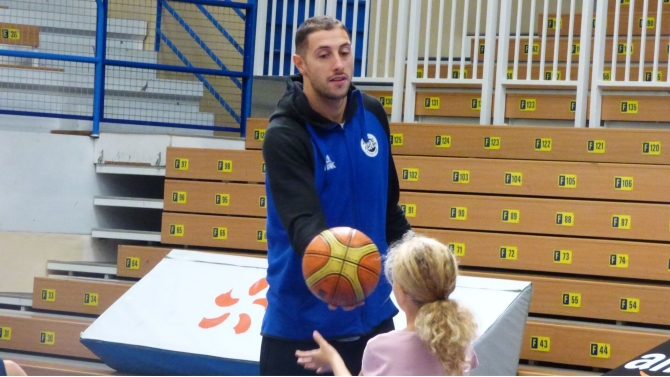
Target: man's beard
(327,94)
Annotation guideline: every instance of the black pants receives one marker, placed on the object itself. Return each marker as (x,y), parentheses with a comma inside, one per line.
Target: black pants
(278,355)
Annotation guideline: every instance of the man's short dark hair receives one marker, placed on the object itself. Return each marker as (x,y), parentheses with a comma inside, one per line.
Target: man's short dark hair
(312,25)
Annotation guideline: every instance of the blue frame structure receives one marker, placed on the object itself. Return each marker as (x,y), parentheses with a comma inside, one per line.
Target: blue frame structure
(242,79)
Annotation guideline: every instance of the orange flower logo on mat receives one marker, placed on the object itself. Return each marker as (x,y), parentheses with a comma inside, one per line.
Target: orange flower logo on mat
(227,300)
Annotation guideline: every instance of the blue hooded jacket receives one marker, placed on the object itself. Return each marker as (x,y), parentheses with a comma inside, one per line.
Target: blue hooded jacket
(319,175)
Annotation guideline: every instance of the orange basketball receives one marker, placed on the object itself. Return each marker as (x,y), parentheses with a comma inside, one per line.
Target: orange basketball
(341,266)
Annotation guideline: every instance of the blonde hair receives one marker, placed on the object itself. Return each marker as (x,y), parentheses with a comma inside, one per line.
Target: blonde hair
(426,270)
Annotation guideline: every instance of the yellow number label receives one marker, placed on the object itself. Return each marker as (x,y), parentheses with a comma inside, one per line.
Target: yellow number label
(409,210)
(262,202)
(619,260)
(432,103)
(567,181)
(179,197)
(181,163)
(649,74)
(572,300)
(456,74)
(510,74)
(552,24)
(511,216)
(540,343)
(629,107)
(224,166)
(573,106)
(419,73)
(548,75)
(410,174)
(177,230)
(49,295)
(48,338)
(259,134)
(397,140)
(386,101)
(621,221)
(443,141)
(563,256)
(623,183)
(621,48)
(607,75)
(629,305)
(595,146)
(220,233)
(5,333)
(458,213)
(261,236)
(513,178)
(651,148)
(492,142)
(457,248)
(91,299)
(461,176)
(565,219)
(509,252)
(543,145)
(476,104)
(651,23)
(536,49)
(132,263)
(575,49)
(263,168)
(601,350)
(222,200)
(11,34)
(528,105)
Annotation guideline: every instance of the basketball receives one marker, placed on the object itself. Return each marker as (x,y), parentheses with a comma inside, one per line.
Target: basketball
(341,266)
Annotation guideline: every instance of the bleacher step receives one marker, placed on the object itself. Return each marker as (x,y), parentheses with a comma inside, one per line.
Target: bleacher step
(60,82)
(130,169)
(113,201)
(74,24)
(82,267)
(18,299)
(77,7)
(128,235)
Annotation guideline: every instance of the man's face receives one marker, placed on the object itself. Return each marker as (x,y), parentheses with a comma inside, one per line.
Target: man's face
(328,63)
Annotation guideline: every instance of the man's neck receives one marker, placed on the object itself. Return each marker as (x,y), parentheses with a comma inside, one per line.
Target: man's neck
(329,108)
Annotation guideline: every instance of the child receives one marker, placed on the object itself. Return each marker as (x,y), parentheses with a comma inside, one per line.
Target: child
(439,332)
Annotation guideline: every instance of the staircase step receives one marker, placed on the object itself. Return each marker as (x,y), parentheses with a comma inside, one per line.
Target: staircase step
(112,201)
(82,267)
(58,81)
(129,235)
(64,23)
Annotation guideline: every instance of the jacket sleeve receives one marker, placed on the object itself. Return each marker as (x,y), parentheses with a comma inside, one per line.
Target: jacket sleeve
(396,222)
(289,165)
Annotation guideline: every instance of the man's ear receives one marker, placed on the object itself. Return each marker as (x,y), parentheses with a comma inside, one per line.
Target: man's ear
(299,63)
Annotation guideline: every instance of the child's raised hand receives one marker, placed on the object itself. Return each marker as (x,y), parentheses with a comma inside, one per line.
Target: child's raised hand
(322,360)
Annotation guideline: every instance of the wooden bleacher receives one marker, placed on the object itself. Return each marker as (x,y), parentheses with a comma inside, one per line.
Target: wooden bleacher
(76,295)
(44,333)
(590,175)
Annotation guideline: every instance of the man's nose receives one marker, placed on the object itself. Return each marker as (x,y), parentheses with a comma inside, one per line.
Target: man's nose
(338,65)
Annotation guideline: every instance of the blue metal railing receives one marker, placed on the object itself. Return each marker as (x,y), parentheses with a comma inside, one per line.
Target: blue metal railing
(242,79)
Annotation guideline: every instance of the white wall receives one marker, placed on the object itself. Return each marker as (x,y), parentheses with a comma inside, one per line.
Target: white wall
(47,183)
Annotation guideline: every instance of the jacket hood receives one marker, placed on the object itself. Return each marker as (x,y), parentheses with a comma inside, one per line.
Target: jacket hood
(294,105)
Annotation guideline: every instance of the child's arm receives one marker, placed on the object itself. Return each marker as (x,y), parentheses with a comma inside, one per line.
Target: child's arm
(324,359)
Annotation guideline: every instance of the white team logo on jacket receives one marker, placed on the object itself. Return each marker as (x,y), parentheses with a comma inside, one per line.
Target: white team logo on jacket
(330,164)
(370,147)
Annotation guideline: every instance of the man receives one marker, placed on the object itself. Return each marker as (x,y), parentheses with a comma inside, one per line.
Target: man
(329,164)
